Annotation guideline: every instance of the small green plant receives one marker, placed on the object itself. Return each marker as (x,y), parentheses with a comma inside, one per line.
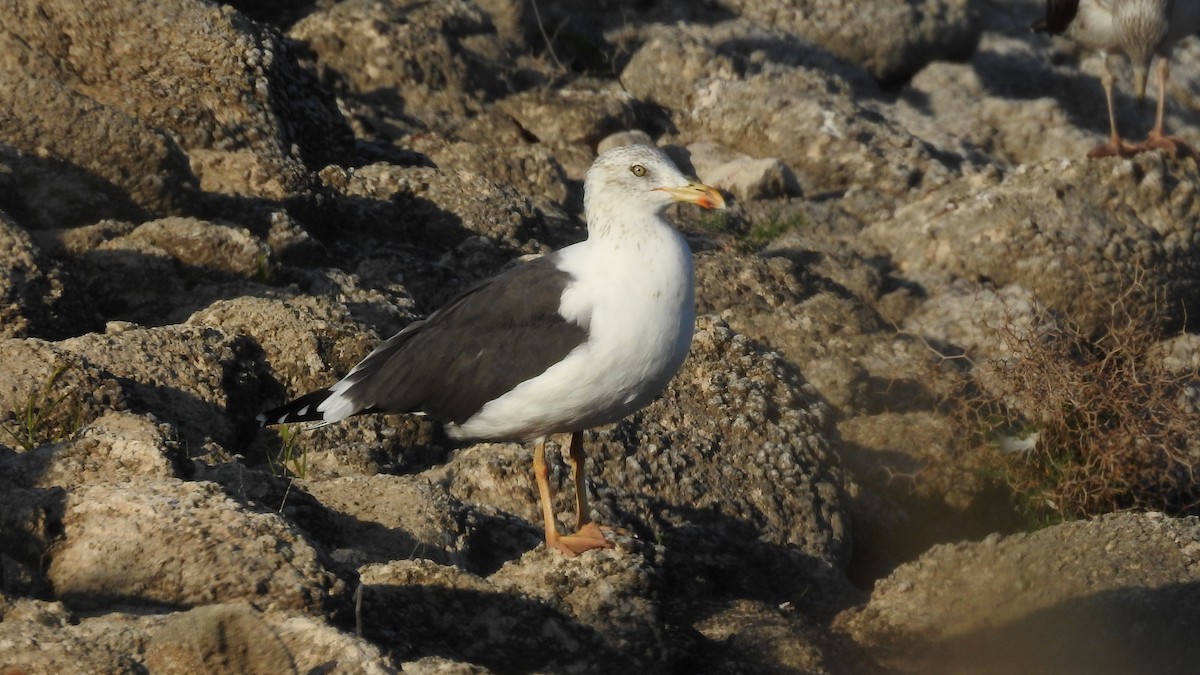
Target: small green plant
(763,232)
(291,458)
(45,417)
(262,269)
(716,222)
(752,236)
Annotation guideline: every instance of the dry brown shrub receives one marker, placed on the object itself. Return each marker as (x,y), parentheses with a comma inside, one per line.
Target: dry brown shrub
(1116,428)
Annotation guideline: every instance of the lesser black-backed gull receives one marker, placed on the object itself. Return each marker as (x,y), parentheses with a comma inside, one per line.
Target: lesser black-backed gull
(1139,29)
(575,339)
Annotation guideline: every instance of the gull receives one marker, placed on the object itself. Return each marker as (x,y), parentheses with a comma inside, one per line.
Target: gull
(578,338)
(1140,29)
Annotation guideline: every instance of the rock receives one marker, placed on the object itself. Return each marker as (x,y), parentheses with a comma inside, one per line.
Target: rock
(233,87)
(1008,102)
(1099,595)
(45,638)
(599,607)
(49,392)
(117,445)
(789,107)
(42,638)
(196,244)
(28,289)
(442,60)
(317,646)
(228,78)
(221,638)
(234,638)
(891,41)
(667,457)
(744,176)
(393,517)
(1180,353)
(307,340)
(623,138)
(30,523)
(449,207)
(151,273)
(589,37)
(70,144)
(532,171)
(754,635)
(833,337)
(614,593)
(570,116)
(437,665)
(1032,226)
(183,544)
(983,322)
(199,380)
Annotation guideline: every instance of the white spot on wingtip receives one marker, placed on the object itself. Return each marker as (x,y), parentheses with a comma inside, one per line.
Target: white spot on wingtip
(339,406)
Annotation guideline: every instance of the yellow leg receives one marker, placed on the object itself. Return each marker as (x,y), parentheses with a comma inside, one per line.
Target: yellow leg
(1114,146)
(1163,72)
(582,512)
(544,497)
(589,535)
(1158,140)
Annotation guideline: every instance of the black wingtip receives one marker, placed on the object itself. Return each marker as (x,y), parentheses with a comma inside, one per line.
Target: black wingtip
(303,409)
(1059,15)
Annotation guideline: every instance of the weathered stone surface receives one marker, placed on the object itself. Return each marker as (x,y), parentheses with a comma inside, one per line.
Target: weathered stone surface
(440,59)
(745,176)
(200,218)
(1079,234)
(217,638)
(27,289)
(42,638)
(117,446)
(182,544)
(1104,595)
(305,339)
(50,392)
(199,380)
(892,41)
(45,638)
(97,84)
(193,243)
(570,115)
(799,107)
(392,517)
(123,168)
(601,606)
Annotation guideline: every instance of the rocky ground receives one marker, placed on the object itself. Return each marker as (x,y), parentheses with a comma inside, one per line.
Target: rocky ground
(207,209)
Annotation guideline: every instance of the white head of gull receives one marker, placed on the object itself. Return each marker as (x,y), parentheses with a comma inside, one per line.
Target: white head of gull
(575,339)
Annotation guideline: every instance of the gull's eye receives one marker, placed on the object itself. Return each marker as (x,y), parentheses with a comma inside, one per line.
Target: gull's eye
(638,170)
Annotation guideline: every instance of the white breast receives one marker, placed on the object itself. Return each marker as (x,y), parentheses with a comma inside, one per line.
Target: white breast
(1093,26)
(636,298)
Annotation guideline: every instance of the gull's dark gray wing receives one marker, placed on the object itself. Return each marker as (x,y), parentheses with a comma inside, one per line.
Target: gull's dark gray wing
(482,344)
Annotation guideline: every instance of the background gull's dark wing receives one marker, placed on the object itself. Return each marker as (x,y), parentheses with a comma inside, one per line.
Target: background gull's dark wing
(1059,15)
